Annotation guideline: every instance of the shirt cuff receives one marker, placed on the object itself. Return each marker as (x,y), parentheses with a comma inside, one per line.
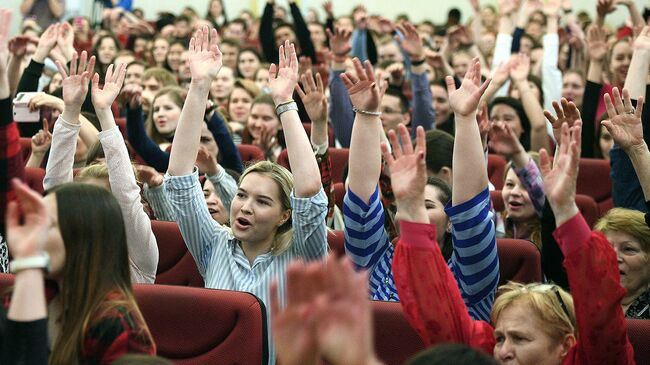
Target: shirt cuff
(571,235)
(183,182)
(68,125)
(108,133)
(418,235)
(220,176)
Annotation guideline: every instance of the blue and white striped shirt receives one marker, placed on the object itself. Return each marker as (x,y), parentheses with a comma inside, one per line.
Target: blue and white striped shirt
(474,261)
(218,255)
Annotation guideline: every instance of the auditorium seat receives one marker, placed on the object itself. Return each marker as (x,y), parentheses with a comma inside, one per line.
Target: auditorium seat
(121,124)
(26,146)
(204,326)
(176,266)
(395,340)
(638,331)
(586,204)
(338,156)
(249,153)
(339,194)
(496,166)
(34,178)
(519,260)
(330,133)
(594,180)
(335,241)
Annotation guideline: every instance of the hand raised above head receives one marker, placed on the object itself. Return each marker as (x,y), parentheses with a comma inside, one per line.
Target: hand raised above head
(624,123)
(75,84)
(464,100)
(284,77)
(364,92)
(567,112)
(103,98)
(205,58)
(313,97)
(339,42)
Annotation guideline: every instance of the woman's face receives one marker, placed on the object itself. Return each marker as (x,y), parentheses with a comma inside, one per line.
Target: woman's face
(256,212)
(605,142)
(262,78)
(160,49)
(436,211)
(573,88)
(107,51)
(262,118)
(223,84)
(632,261)
(215,206)
(207,140)
(54,245)
(248,63)
(521,339)
(240,105)
(505,113)
(518,205)
(460,63)
(216,9)
(165,115)
(139,46)
(620,62)
(440,103)
(174,56)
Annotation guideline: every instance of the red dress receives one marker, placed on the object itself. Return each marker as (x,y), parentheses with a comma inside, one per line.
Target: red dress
(434,308)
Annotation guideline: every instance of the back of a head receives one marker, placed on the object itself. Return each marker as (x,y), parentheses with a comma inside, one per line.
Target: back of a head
(446,354)
(163,76)
(440,150)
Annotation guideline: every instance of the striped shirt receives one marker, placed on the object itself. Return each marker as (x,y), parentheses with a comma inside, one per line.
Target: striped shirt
(474,261)
(218,255)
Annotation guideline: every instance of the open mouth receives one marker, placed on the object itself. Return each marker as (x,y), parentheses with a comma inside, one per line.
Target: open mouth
(243,223)
(514,204)
(213,211)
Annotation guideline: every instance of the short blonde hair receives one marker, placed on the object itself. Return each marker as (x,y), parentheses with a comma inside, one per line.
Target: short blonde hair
(284,180)
(627,221)
(552,305)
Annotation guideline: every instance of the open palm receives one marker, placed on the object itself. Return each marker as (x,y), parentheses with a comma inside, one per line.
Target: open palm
(284,77)
(313,97)
(464,100)
(503,140)
(364,91)
(27,222)
(75,85)
(407,167)
(204,55)
(566,112)
(560,180)
(103,98)
(624,126)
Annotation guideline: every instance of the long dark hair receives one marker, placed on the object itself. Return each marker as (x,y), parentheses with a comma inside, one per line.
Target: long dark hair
(96,264)
(101,68)
(444,195)
(523,118)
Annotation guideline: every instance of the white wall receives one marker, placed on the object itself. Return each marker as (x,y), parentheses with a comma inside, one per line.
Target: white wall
(416,9)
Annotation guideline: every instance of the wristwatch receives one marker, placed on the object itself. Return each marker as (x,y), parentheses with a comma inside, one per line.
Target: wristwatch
(39,261)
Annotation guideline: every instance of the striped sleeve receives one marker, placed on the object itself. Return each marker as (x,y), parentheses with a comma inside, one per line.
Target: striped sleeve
(309,229)
(366,239)
(162,209)
(197,227)
(531,179)
(224,186)
(474,261)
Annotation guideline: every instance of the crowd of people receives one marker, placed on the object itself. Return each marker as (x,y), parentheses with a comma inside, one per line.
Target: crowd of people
(419,108)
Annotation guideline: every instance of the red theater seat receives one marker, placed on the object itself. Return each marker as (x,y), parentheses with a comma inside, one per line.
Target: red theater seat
(249,153)
(594,180)
(395,340)
(519,260)
(339,194)
(121,124)
(496,166)
(335,241)
(204,326)
(34,178)
(638,331)
(26,146)
(330,133)
(338,156)
(176,266)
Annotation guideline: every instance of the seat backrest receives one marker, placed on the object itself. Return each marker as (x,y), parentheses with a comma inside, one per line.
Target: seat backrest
(496,166)
(638,331)
(335,240)
(26,146)
(176,266)
(204,326)
(594,180)
(121,124)
(249,153)
(283,159)
(519,260)
(395,339)
(34,178)
(338,156)
(339,194)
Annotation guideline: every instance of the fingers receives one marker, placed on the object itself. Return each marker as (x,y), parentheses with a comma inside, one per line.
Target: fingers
(293,57)
(192,46)
(551,119)
(109,74)
(91,65)
(451,85)
(627,102)
(301,94)
(95,83)
(420,142)
(639,107)
(319,83)
(82,61)
(12,215)
(46,125)
(405,137)
(618,101)
(73,64)
(369,73)
(273,72)
(61,69)
(29,200)
(281,57)
(394,143)
(361,74)
(347,81)
(483,87)
(609,106)
(544,162)
(205,39)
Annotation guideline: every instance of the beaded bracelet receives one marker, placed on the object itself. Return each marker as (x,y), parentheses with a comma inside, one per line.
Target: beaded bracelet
(365,112)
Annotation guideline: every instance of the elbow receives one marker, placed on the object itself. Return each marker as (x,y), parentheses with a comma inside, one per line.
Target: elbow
(308,189)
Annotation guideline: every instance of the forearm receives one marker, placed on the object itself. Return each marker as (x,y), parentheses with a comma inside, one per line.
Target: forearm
(188,132)
(470,171)
(635,15)
(88,133)
(55,7)
(61,159)
(365,156)
(588,113)
(301,156)
(535,113)
(28,297)
(319,135)
(267,42)
(302,33)
(35,159)
(595,72)
(640,157)
(635,82)
(26,6)
(423,113)
(141,143)
(14,72)
(341,112)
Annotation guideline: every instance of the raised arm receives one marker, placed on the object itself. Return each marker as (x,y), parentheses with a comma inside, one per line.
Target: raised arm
(551,75)
(636,79)
(470,171)
(340,106)
(143,250)
(205,63)
(302,32)
(267,40)
(282,81)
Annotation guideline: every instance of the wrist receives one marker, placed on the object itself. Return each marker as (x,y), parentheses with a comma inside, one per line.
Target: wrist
(39,56)
(202,83)
(412,210)
(564,213)
(71,114)
(636,149)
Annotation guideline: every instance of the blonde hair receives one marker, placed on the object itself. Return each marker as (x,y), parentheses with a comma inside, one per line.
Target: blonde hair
(558,315)
(99,171)
(284,180)
(627,221)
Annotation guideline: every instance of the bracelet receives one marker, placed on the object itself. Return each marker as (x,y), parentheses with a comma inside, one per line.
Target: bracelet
(365,112)
(38,261)
(417,63)
(285,107)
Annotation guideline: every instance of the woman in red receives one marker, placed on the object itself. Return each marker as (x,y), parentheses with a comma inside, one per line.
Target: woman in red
(531,324)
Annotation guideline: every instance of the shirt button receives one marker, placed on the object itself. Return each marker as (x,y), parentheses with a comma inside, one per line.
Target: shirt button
(386,281)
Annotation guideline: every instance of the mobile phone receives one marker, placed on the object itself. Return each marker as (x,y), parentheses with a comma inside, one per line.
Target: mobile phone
(22,114)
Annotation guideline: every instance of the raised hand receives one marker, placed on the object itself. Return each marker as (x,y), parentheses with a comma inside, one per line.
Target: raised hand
(339,42)
(552,7)
(284,77)
(75,85)
(560,180)
(18,45)
(27,222)
(503,141)
(65,41)
(42,140)
(149,175)
(46,43)
(364,91)
(204,55)
(132,94)
(103,98)
(519,67)
(412,43)
(313,97)
(408,173)
(304,64)
(624,122)
(502,72)
(597,43)
(329,8)
(464,101)
(642,41)
(605,7)
(484,124)
(567,112)
(507,7)
(206,162)
(5,24)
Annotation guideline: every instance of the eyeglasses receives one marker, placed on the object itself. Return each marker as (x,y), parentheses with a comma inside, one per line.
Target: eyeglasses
(542,288)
